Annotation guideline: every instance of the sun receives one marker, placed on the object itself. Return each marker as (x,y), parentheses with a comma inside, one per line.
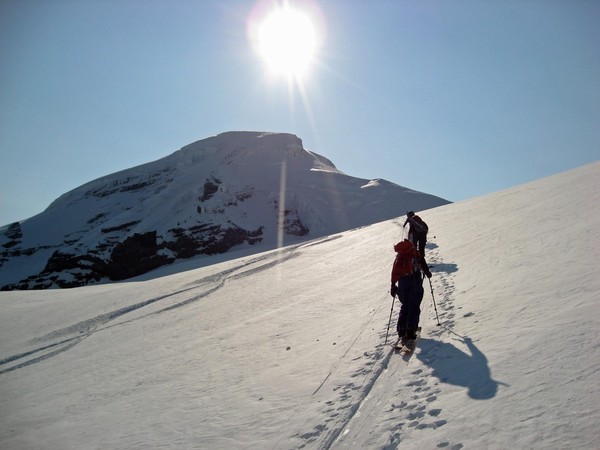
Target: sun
(286,40)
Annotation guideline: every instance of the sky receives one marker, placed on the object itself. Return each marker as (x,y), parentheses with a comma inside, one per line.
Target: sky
(456,99)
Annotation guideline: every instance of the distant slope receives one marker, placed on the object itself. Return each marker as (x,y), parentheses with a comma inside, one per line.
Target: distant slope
(235,190)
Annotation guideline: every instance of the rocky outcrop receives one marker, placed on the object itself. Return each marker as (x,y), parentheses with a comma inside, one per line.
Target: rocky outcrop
(136,255)
(14,234)
(209,239)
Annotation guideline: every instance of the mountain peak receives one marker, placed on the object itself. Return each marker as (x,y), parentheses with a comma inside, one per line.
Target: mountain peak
(253,148)
(237,190)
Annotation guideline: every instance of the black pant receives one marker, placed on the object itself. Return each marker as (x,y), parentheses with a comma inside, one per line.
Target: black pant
(410,293)
(419,240)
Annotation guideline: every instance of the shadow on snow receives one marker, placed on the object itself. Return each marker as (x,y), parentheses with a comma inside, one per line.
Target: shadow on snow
(452,365)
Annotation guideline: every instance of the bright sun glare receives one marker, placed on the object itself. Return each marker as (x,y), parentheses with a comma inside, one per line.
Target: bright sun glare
(287,41)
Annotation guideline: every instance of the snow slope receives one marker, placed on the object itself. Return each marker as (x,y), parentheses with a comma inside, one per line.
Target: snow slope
(285,349)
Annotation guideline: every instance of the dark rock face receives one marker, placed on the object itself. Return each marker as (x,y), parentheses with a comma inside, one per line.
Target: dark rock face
(14,233)
(293,225)
(210,188)
(209,239)
(136,255)
(83,269)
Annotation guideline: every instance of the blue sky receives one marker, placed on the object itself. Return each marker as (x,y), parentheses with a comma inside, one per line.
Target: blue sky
(454,98)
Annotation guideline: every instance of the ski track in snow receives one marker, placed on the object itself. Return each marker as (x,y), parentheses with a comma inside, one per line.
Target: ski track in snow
(343,407)
(64,339)
(384,375)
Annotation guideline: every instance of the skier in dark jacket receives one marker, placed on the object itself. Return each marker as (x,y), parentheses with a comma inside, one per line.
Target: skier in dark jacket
(417,232)
(407,284)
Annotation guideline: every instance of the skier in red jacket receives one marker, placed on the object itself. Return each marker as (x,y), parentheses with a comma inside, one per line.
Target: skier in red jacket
(407,282)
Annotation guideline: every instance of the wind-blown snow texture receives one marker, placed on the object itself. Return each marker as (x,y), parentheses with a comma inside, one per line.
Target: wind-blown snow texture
(244,191)
(285,349)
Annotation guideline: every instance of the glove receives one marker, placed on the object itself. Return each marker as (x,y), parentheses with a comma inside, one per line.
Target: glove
(393,290)
(427,273)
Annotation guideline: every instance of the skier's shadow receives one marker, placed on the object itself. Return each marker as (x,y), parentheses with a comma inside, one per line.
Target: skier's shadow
(445,268)
(440,267)
(453,366)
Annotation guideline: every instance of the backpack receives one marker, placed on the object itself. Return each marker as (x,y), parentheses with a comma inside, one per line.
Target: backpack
(406,259)
(419,224)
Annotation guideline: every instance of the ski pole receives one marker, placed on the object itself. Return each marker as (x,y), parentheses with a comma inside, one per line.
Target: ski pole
(389,321)
(434,306)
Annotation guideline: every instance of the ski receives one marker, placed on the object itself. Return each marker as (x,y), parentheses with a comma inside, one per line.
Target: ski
(409,346)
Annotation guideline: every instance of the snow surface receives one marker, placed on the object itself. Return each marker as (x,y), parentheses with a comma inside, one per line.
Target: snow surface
(285,349)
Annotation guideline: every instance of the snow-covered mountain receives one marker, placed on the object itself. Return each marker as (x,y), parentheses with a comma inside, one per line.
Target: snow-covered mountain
(239,190)
(285,349)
